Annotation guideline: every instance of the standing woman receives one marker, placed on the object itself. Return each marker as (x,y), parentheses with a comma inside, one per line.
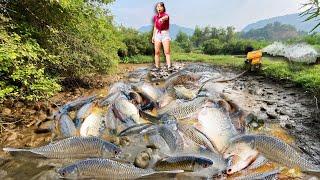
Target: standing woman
(161,34)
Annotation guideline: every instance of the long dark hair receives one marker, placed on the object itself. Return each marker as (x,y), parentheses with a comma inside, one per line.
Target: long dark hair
(161,4)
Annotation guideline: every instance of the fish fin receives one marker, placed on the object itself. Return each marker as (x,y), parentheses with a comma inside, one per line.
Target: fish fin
(15,150)
(149,117)
(169,172)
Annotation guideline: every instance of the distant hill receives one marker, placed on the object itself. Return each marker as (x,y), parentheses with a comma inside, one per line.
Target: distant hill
(174,30)
(291,19)
(275,31)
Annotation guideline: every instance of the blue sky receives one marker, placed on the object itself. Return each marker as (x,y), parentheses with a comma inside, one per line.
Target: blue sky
(219,13)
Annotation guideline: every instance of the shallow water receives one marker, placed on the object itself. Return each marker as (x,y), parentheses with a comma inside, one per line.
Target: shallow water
(297,126)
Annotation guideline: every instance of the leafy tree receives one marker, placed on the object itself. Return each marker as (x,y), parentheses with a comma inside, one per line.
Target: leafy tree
(184,42)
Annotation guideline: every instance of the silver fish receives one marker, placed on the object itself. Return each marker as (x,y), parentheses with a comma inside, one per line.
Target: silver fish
(82,113)
(92,124)
(217,126)
(135,129)
(185,110)
(278,151)
(66,126)
(105,168)
(258,175)
(147,90)
(184,93)
(197,136)
(180,78)
(126,110)
(76,103)
(260,161)
(74,147)
(172,138)
(186,163)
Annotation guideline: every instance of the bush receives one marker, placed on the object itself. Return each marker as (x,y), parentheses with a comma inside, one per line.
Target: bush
(22,66)
(213,46)
(135,43)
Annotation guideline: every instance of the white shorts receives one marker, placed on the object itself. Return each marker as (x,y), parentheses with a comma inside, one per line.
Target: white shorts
(163,36)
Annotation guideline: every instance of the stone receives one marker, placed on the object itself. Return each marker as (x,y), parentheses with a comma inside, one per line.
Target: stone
(6,111)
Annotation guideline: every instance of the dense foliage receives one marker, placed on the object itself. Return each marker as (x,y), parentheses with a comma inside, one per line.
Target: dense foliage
(42,40)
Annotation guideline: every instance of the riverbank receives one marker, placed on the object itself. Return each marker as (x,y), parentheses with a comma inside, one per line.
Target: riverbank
(302,75)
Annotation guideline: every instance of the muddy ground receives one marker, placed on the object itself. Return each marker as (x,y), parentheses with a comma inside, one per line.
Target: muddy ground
(272,101)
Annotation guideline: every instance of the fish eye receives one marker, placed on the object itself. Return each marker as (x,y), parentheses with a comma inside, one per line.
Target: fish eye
(63,173)
(205,165)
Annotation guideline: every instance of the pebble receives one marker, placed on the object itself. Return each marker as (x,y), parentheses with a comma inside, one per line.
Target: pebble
(6,111)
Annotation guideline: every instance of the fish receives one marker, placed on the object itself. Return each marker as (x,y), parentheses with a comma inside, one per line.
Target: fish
(76,103)
(166,99)
(180,78)
(184,93)
(135,129)
(66,127)
(125,110)
(92,124)
(172,138)
(106,168)
(239,156)
(278,151)
(260,161)
(197,137)
(82,113)
(148,91)
(73,148)
(120,87)
(110,121)
(259,175)
(199,68)
(184,110)
(217,126)
(186,163)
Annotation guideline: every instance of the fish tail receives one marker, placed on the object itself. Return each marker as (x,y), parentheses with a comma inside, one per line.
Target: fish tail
(15,150)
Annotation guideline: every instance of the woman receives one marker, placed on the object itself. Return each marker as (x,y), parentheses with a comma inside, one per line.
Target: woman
(161,34)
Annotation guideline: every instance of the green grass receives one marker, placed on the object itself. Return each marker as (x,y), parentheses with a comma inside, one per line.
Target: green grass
(307,76)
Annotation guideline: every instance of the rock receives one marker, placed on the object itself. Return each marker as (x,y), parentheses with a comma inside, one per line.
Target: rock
(263,109)
(6,112)
(271,115)
(19,104)
(42,116)
(289,126)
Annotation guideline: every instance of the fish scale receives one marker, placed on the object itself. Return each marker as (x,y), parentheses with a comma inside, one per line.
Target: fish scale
(278,151)
(172,138)
(186,163)
(105,168)
(74,147)
(196,136)
(185,110)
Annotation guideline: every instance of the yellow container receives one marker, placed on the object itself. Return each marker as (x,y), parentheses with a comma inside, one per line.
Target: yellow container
(255,57)
(254,54)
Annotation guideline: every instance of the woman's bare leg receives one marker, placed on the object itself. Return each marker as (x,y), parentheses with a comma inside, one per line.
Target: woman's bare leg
(166,48)
(157,49)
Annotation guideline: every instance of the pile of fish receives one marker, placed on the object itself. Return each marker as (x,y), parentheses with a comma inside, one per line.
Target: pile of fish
(181,127)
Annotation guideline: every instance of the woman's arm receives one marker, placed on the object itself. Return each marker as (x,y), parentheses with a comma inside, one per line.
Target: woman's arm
(164,18)
(154,33)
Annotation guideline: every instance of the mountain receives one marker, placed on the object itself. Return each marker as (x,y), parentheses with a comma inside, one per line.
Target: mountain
(291,19)
(174,30)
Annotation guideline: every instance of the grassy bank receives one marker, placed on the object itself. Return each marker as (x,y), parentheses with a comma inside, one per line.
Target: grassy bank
(308,76)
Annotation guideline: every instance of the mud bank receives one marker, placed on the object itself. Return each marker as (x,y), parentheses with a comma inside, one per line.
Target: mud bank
(290,112)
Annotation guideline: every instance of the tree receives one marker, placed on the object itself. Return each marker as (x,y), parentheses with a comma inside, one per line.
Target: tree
(312,11)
